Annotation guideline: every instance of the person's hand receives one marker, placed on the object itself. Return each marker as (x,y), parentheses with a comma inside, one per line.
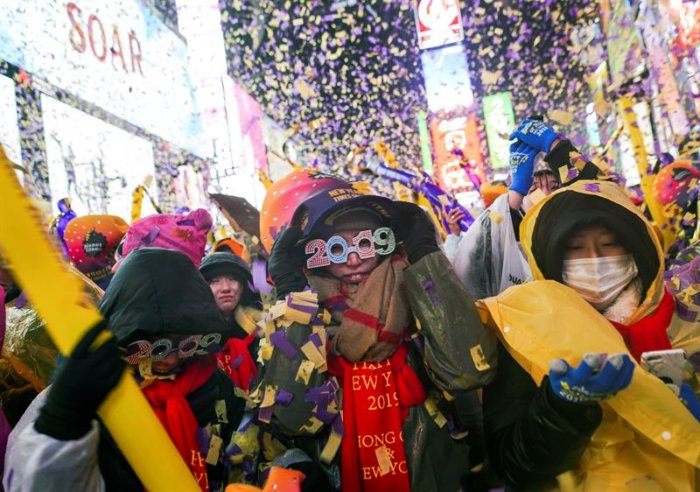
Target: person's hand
(80,387)
(690,400)
(453,218)
(589,382)
(522,166)
(286,263)
(536,134)
(417,231)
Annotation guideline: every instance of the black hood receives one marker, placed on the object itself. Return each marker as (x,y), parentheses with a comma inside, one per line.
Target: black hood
(158,291)
(568,210)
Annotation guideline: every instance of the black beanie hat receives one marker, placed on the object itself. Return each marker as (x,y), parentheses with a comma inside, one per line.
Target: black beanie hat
(569,210)
(225,263)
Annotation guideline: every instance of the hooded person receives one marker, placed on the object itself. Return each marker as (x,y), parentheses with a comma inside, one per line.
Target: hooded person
(230,281)
(343,338)
(166,326)
(569,407)
(488,258)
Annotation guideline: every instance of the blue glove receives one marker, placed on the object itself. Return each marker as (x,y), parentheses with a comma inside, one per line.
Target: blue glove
(583,384)
(690,400)
(536,134)
(522,165)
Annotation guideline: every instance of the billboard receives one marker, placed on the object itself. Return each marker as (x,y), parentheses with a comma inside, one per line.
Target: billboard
(446,76)
(9,129)
(118,56)
(438,22)
(457,132)
(96,164)
(499,121)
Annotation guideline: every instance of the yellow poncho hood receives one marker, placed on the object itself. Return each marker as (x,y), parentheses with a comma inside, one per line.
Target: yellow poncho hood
(647,438)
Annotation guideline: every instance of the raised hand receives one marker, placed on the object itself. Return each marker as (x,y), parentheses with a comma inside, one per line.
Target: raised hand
(595,378)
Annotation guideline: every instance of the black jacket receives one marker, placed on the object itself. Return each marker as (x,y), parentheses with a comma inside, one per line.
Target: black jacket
(532,435)
(158,292)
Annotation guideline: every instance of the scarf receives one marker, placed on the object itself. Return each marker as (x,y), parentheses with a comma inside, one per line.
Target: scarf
(167,398)
(236,361)
(373,316)
(376,399)
(370,360)
(649,333)
(626,303)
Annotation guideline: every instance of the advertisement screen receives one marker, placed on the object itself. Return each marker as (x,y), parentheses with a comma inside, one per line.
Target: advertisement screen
(446,76)
(94,163)
(118,56)
(9,131)
(499,121)
(439,22)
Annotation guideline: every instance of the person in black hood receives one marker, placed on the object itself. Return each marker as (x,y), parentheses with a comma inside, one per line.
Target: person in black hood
(166,326)
(230,281)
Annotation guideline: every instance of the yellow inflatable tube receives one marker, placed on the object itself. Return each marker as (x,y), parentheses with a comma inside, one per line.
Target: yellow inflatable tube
(58,297)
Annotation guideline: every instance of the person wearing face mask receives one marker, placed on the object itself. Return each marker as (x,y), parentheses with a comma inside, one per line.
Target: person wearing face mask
(488,258)
(353,273)
(569,407)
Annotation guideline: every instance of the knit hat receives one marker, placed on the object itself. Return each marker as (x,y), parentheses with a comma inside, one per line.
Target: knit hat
(567,211)
(92,241)
(357,219)
(184,233)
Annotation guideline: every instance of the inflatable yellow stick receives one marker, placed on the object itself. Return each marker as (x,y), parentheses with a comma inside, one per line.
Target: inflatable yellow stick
(58,297)
(629,118)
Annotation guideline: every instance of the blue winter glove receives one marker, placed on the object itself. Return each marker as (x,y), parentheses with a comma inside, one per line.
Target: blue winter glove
(536,134)
(522,165)
(583,384)
(690,400)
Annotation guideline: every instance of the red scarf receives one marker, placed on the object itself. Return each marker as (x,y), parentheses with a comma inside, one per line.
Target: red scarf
(649,333)
(236,361)
(167,398)
(376,399)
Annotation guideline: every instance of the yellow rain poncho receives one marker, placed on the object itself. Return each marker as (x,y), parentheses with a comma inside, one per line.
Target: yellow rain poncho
(647,439)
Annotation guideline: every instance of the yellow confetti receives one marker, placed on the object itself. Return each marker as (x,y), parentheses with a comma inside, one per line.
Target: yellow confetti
(306,369)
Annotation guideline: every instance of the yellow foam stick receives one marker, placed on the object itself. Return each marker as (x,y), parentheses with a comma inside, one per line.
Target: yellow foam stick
(57,296)
(136,203)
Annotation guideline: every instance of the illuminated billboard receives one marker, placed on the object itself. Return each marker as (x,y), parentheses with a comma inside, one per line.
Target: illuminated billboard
(446,76)
(499,121)
(9,130)
(454,137)
(438,22)
(118,56)
(94,163)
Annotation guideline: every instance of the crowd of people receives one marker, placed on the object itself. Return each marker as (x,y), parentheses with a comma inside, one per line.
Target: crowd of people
(549,347)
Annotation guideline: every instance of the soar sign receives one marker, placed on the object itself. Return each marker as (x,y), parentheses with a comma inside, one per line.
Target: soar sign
(116,55)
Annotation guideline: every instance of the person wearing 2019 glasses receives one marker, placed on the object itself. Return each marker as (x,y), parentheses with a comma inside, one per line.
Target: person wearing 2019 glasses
(366,268)
(165,325)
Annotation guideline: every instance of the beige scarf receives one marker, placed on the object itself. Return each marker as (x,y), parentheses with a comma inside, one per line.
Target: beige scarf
(373,316)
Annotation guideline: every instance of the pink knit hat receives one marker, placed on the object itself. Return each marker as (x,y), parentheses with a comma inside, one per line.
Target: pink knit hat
(184,233)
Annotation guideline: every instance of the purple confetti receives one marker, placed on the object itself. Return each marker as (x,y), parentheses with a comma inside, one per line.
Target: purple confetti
(283,397)
(279,340)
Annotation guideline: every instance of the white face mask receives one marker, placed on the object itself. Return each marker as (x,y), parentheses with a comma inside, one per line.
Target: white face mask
(600,280)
